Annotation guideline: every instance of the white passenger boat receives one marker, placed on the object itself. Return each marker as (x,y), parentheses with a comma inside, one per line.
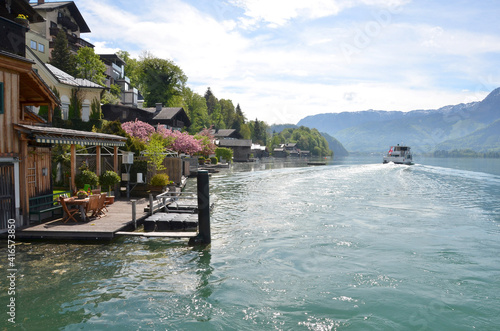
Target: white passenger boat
(399,155)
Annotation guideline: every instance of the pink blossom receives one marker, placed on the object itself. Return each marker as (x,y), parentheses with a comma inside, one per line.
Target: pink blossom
(138,129)
(180,142)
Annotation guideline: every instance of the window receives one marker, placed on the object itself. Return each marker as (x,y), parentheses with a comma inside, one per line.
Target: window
(33,45)
(65,111)
(53,24)
(1,98)
(85,113)
(41,48)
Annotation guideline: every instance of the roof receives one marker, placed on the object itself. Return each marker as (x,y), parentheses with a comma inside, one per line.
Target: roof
(224,133)
(51,135)
(67,79)
(73,9)
(166,113)
(112,58)
(235,143)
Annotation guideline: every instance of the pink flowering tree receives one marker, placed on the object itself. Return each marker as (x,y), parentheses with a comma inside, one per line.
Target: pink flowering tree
(206,140)
(180,142)
(138,129)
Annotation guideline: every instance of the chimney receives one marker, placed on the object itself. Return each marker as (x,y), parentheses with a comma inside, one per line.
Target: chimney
(159,107)
(41,2)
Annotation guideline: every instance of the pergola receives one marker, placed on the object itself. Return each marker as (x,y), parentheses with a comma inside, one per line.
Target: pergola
(51,135)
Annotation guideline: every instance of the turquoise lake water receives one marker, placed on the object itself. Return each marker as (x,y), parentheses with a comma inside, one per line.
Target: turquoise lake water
(353,245)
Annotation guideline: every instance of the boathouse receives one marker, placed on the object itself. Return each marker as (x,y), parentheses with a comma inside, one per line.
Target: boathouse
(242,148)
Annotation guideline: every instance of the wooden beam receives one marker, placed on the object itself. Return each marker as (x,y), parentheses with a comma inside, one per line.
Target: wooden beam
(73,167)
(98,161)
(115,166)
(23,179)
(115,159)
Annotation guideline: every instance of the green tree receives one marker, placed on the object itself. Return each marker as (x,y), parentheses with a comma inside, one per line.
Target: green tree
(161,80)
(239,119)
(61,56)
(132,68)
(95,112)
(211,101)
(216,118)
(196,108)
(155,153)
(90,66)
(228,112)
(75,105)
(259,131)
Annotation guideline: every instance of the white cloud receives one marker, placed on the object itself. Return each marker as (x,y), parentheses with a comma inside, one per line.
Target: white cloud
(282,74)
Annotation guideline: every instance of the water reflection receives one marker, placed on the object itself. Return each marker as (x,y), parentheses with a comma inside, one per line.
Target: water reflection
(204,272)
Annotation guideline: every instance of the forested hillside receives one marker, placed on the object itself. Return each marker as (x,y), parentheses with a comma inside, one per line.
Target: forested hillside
(305,138)
(452,127)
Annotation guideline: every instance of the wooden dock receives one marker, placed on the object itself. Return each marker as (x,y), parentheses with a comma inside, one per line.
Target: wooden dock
(190,222)
(118,218)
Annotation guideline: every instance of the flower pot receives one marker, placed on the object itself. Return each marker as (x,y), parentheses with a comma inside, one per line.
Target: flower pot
(22,21)
(110,200)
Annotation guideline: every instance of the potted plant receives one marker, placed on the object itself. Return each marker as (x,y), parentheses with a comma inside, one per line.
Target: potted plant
(23,20)
(86,177)
(81,194)
(159,182)
(109,179)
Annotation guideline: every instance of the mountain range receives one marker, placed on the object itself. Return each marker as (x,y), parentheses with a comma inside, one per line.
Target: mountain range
(474,125)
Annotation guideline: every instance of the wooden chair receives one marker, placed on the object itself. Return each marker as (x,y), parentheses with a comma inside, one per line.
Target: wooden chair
(101,206)
(96,191)
(68,212)
(92,205)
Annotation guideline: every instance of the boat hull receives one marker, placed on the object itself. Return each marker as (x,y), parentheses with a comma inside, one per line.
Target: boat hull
(397,160)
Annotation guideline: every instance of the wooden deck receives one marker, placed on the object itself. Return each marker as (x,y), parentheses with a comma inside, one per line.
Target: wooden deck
(118,218)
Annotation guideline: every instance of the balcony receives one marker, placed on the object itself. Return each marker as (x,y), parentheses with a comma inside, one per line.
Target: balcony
(67,23)
(84,43)
(12,37)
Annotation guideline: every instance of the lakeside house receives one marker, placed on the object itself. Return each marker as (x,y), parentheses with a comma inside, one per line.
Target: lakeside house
(57,16)
(174,118)
(27,139)
(289,149)
(88,93)
(115,75)
(259,151)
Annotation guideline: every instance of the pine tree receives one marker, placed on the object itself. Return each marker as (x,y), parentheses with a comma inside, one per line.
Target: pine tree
(211,101)
(61,56)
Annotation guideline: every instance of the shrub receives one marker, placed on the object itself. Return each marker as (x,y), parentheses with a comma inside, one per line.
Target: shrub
(86,177)
(223,152)
(109,179)
(160,180)
(213,160)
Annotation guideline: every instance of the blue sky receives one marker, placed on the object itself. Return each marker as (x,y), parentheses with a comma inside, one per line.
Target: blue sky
(282,60)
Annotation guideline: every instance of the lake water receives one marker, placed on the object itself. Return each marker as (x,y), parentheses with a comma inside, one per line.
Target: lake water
(353,245)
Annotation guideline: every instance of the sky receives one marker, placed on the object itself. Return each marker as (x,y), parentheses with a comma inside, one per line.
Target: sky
(283,60)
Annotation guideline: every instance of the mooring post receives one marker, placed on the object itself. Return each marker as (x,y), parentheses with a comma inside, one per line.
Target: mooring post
(203,207)
(151,212)
(134,216)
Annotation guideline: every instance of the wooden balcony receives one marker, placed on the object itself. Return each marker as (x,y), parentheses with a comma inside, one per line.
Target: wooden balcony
(67,23)
(12,37)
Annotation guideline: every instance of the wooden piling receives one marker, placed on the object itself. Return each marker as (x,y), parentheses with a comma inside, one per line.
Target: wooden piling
(204,235)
